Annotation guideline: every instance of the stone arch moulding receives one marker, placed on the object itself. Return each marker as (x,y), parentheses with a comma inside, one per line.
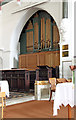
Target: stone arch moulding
(1,63)
(17,31)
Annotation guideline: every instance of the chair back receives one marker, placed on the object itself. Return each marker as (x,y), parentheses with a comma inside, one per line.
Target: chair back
(61,80)
(2,103)
(52,81)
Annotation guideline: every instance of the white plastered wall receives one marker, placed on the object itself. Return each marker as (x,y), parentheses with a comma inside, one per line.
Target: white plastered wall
(12,25)
(65,62)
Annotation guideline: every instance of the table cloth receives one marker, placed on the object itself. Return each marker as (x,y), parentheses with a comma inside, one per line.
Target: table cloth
(64,95)
(4,87)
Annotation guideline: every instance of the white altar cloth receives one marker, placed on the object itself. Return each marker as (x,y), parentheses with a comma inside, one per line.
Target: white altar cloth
(64,95)
(4,87)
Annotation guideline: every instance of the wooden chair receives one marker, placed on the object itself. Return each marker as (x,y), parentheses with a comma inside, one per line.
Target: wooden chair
(61,80)
(3,101)
(52,81)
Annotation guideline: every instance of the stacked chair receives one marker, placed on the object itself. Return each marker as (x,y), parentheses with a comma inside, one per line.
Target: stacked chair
(2,102)
(54,82)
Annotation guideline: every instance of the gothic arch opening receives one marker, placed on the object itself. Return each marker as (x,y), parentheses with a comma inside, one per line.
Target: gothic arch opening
(39,42)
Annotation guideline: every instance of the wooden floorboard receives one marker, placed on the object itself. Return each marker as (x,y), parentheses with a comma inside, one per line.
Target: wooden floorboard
(35,109)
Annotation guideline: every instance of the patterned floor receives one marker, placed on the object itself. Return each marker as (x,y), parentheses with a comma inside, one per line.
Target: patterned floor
(19,97)
(19,94)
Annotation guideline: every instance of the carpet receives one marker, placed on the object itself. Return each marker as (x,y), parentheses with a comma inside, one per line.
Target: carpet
(35,109)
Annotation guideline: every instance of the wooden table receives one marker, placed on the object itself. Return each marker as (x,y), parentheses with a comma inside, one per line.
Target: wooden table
(64,95)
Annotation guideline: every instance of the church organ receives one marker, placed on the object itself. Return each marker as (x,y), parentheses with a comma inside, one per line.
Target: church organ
(41,42)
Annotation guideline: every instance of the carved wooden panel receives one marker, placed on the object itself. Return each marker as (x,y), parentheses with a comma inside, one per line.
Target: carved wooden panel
(52,63)
(41,59)
(32,61)
(50,58)
(21,61)
(47,59)
(16,78)
(57,58)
